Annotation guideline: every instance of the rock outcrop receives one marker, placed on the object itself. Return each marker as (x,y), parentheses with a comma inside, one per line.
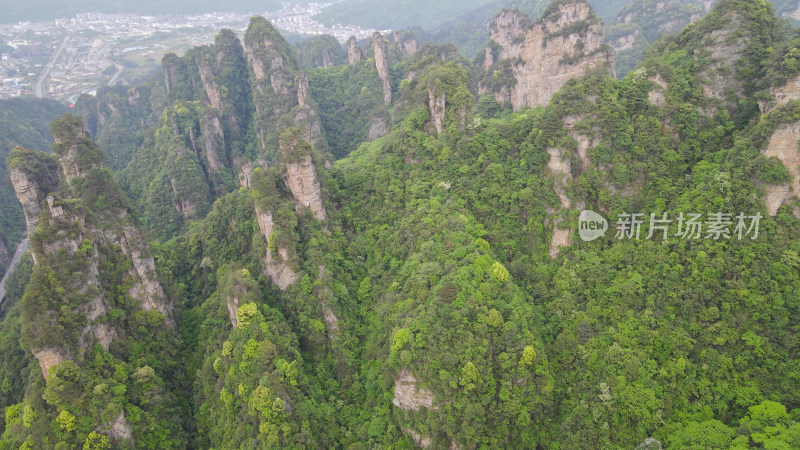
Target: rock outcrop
(724,47)
(73,235)
(276,266)
(145,286)
(624,42)
(784,145)
(28,194)
(657,95)
(170,65)
(377,128)
(75,164)
(354,52)
(565,44)
(213,141)
(272,68)
(408,395)
(380,48)
(120,429)
(561,167)
(781,95)
(47,358)
(303,93)
(404,43)
(419,440)
(436,106)
(792,14)
(301,179)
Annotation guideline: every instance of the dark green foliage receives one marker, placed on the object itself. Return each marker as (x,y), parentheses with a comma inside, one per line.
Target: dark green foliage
(432,272)
(117,118)
(320,52)
(348,97)
(23,122)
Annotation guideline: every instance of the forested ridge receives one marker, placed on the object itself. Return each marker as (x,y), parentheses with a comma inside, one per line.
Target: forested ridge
(376,246)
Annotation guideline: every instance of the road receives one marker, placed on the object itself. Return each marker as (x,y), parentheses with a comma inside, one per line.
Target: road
(38,89)
(21,248)
(114,79)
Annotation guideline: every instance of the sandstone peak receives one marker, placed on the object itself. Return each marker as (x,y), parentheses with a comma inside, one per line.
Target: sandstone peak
(354,52)
(564,44)
(76,151)
(380,48)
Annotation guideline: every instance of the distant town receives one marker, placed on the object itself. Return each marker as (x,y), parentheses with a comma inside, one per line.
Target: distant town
(63,58)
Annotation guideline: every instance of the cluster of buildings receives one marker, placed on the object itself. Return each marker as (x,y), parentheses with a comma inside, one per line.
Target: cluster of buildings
(62,58)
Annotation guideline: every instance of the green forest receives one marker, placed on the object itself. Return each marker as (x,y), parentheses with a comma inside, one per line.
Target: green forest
(272,245)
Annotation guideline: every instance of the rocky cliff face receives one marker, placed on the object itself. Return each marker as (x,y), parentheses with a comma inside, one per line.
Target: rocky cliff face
(724,47)
(303,93)
(561,166)
(404,43)
(301,179)
(170,65)
(380,47)
(67,233)
(272,69)
(508,30)
(408,395)
(377,128)
(354,52)
(145,286)
(213,142)
(33,175)
(276,263)
(75,163)
(436,106)
(781,95)
(784,145)
(28,194)
(563,45)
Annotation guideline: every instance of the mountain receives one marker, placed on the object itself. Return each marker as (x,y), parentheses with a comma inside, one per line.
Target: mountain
(389,251)
(94,314)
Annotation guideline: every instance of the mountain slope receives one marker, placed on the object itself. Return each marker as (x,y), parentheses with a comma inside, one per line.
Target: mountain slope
(430,288)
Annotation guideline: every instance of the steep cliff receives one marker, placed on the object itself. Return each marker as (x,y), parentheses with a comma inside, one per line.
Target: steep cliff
(441,86)
(31,190)
(272,74)
(301,174)
(280,261)
(405,43)
(380,48)
(118,118)
(354,52)
(641,22)
(783,144)
(69,227)
(564,44)
(320,52)
(94,280)
(196,153)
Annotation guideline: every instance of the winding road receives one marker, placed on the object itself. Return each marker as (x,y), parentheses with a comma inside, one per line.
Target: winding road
(21,248)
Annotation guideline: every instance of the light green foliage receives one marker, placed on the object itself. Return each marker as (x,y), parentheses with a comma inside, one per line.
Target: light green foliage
(433,268)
